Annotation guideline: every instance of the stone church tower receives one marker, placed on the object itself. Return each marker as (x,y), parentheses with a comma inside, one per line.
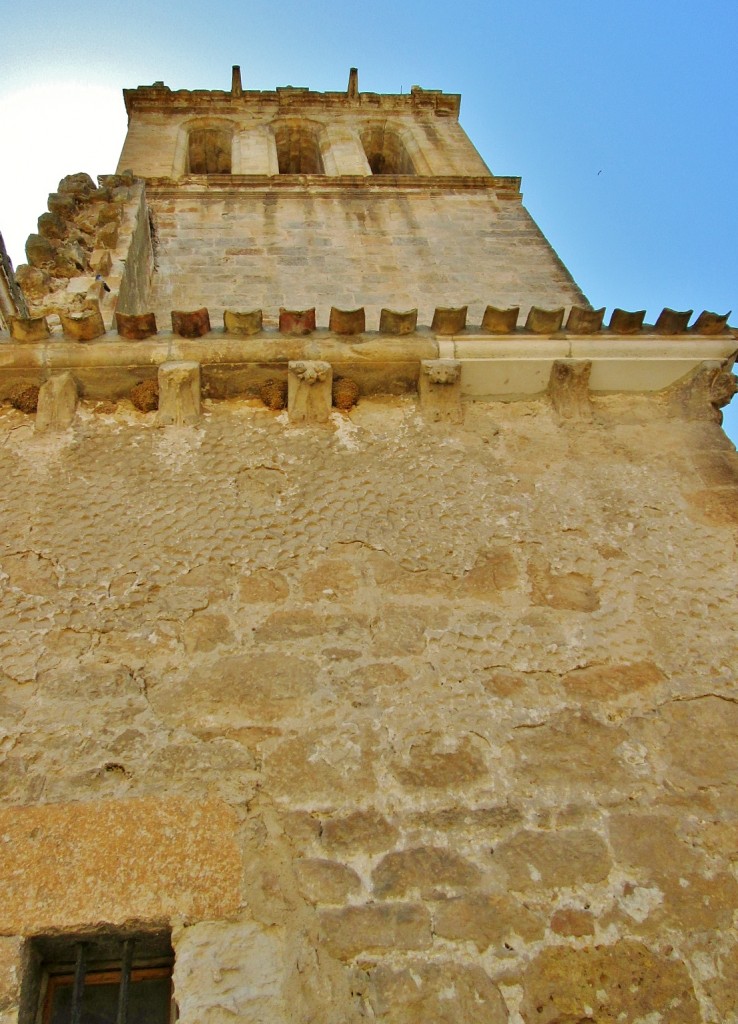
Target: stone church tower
(367,648)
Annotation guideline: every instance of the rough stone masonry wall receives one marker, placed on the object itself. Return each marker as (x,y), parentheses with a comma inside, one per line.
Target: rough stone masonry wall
(249,249)
(390,722)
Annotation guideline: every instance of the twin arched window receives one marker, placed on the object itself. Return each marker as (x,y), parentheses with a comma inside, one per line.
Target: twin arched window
(209,150)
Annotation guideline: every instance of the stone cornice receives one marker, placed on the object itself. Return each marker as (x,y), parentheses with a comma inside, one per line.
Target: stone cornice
(289,100)
(504,187)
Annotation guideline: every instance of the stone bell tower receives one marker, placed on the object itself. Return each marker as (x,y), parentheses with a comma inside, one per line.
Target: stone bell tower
(320,199)
(367,644)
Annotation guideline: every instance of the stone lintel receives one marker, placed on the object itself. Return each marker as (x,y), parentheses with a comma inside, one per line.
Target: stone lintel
(166,857)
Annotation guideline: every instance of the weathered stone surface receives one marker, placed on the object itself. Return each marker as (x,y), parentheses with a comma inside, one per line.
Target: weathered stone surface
(375,928)
(167,858)
(624,983)
(575,923)
(226,970)
(567,858)
(431,763)
(366,831)
(700,742)
(326,881)
(611,682)
(487,921)
(572,591)
(494,571)
(263,586)
(446,993)
(425,870)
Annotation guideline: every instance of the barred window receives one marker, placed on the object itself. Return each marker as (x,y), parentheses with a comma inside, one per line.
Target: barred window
(109,979)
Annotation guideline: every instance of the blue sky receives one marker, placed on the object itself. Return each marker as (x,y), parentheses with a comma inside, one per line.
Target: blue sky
(620,117)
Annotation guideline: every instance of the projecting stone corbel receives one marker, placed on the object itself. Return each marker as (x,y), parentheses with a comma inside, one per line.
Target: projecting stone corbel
(309,391)
(179,394)
(701,396)
(393,322)
(624,322)
(585,321)
(439,387)
(568,388)
(57,403)
(500,321)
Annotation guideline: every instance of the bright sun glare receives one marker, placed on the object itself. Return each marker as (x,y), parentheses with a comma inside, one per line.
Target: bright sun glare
(50,131)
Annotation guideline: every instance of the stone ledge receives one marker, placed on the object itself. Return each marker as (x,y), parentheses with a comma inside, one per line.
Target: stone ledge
(227,184)
(505,368)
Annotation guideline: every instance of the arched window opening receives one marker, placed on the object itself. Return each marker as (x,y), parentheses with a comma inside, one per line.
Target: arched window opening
(386,152)
(209,151)
(298,151)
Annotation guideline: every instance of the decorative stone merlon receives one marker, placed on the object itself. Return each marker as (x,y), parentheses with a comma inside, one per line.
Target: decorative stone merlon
(296,321)
(672,321)
(179,393)
(584,321)
(439,387)
(192,324)
(500,321)
(83,326)
(135,326)
(347,321)
(544,321)
(569,390)
(29,329)
(448,320)
(710,323)
(57,403)
(247,323)
(392,321)
(309,391)
(624,322)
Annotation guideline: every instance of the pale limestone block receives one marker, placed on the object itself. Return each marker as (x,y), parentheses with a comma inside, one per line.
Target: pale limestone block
(439,386)
(57,403)
(309,391)
(225,971)
(179,393)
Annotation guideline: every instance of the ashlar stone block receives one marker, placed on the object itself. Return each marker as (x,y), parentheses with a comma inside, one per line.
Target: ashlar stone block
(309,391)
(179,393)
(57,403)
(439,387)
